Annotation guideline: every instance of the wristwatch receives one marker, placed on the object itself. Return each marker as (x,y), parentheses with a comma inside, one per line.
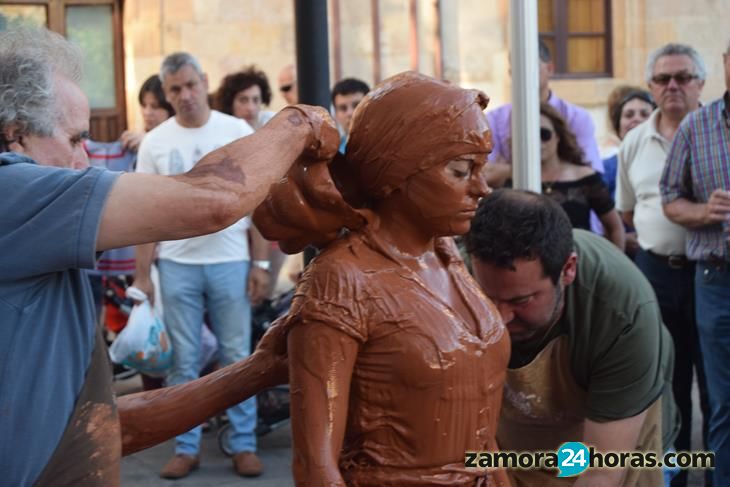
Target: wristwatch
(262,264)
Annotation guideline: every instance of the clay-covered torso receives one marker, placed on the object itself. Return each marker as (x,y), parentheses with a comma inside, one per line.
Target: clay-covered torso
(425,388)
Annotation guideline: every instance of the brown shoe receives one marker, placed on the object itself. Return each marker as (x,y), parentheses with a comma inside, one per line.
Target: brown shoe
(180,466)
(247,464)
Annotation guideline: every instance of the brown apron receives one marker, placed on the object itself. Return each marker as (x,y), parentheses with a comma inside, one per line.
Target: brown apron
(90,449)
(543,407)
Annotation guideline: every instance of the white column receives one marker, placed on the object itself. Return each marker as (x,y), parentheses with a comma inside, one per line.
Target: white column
(525,95)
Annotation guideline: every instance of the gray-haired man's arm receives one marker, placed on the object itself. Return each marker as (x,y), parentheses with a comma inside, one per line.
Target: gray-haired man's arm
(222,188)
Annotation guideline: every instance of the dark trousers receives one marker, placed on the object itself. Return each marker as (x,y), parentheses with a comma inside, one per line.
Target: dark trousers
(674,288)
(712,286)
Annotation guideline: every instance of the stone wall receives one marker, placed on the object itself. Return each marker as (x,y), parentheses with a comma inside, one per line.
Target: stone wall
(226,34)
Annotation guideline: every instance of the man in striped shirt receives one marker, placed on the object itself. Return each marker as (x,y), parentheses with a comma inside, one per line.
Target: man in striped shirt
(695,189)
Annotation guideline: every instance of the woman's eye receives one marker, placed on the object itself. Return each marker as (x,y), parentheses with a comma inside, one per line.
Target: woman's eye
(459,173)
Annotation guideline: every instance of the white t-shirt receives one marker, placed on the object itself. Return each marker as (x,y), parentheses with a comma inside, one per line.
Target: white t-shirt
(641,160)
(171,149)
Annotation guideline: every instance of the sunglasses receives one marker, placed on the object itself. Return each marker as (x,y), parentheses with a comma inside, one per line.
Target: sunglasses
(286,88)
(545,134)
(681,78)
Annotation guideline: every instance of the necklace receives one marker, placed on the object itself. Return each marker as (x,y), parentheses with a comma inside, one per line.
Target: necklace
(548,185)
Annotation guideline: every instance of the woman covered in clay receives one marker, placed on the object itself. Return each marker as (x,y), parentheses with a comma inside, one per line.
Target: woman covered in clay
(396,358)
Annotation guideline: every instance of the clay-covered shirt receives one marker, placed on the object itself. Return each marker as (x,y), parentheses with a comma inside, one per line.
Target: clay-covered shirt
(621,352)
(425,388)
(48,226)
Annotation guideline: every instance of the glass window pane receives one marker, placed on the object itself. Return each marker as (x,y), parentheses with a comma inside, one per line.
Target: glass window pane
(90,26)
(545,20)
(586,55)
(586,16)
(32,15)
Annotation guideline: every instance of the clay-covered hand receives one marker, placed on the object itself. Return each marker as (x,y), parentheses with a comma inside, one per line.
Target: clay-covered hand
(324,140)
(305,207)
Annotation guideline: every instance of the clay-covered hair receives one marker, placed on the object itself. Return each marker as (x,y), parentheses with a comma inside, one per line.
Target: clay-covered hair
(407,124)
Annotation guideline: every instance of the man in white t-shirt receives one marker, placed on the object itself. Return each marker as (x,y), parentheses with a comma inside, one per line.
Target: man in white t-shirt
(209,274)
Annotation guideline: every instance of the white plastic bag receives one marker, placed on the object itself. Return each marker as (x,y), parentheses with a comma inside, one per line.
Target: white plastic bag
(143,344)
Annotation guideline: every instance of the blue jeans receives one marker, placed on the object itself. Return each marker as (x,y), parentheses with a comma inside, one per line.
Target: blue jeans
(712,288)
(187,291)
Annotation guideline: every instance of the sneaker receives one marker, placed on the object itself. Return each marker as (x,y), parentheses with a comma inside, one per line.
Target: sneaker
(180,466)
(247,464)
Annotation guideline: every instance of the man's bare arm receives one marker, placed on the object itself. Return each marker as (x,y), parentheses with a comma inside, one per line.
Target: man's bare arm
(620,435)
(144,255)
(222,188)
(695,215)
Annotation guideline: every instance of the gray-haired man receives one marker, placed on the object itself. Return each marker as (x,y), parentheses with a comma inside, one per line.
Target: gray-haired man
(58,423)
(675,74)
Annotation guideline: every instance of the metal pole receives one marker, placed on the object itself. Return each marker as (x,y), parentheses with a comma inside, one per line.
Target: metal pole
(313,73)
(525,95)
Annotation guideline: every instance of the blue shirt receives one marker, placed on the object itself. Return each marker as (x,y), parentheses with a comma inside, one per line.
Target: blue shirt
(49,219)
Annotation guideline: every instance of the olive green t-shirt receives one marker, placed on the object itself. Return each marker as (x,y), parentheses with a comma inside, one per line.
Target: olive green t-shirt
(621,352)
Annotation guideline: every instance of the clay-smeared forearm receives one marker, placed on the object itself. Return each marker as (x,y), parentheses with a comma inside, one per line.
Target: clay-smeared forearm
(149,418)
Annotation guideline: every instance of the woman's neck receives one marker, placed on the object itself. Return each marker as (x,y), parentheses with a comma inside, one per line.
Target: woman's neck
(551,168)
(403,236)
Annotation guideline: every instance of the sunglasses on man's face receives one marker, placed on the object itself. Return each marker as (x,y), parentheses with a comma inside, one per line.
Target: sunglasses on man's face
(545,134)
(681,78)
(286,88)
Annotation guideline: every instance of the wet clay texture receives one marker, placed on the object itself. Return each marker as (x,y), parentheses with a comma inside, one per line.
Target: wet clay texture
(425,388)
(427,350)
(89,451)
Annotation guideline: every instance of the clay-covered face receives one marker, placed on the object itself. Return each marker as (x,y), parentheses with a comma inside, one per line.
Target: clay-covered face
(444,198)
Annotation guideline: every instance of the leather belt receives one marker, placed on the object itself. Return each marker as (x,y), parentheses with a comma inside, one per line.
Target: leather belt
(672,261)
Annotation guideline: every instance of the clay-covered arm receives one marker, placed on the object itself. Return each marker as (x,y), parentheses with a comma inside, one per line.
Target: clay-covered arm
(149,418)
(321,361)
(222,188)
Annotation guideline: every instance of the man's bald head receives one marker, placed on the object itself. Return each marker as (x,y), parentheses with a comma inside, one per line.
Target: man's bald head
(288,84)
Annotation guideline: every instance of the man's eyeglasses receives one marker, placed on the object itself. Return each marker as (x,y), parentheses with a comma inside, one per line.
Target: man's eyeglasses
(286,88)
(681,78)
(545,134)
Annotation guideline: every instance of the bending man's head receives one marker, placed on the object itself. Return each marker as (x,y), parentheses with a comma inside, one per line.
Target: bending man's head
(43,112)
(521,245)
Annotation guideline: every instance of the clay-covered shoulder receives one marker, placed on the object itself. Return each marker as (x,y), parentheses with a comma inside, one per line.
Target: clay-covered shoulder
(334,290)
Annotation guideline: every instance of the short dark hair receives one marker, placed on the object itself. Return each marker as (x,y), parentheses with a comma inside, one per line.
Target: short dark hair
(234,83)
(349,86)
(516,224)
(568,148)
(543,51)
(153,85)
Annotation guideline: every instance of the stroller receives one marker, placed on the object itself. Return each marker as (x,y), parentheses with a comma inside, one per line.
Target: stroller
(273,403)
